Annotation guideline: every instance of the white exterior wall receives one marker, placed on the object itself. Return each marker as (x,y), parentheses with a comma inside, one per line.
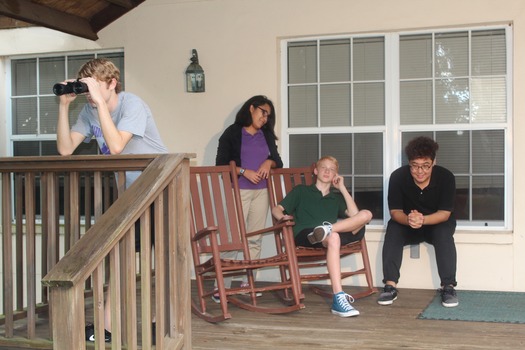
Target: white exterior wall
(238,46)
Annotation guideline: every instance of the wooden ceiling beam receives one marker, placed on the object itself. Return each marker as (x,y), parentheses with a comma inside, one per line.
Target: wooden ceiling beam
(127,4)
(27,11)
(112,13)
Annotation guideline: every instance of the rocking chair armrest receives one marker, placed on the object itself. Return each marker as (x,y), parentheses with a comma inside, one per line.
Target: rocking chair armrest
(275,227)
(204,232)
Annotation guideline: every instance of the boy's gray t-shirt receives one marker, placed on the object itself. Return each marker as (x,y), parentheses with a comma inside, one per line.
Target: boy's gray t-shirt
(132,115)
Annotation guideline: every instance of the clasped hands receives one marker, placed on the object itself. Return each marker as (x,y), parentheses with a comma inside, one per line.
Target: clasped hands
(415,219)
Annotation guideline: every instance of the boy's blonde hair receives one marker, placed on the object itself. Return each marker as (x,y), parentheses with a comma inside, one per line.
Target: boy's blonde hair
(329,158)
(102,69)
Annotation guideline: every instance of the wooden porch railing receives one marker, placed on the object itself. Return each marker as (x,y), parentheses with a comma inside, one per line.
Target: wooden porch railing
(96,251)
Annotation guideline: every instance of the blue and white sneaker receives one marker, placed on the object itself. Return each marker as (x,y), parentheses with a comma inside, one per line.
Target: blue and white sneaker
(341,305)
(320,233)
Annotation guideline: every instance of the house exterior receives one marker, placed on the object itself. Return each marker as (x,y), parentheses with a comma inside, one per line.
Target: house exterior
(243,47)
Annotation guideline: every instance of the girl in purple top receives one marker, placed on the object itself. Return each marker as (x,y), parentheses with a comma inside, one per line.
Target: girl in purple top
(251,143)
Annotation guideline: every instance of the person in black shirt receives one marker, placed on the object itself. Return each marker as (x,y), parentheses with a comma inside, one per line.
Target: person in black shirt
(421,198)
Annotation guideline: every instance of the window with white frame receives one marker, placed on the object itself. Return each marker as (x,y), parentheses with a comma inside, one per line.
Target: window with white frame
(34,107)
(361,98)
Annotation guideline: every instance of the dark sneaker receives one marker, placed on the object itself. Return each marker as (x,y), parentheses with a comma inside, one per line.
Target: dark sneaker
(341,305)
(215,297)
(90,334)
(388,295)
(154,333)
(449,297)
(320,233)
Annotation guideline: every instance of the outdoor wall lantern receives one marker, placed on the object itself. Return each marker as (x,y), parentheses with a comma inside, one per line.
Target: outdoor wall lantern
(194,74)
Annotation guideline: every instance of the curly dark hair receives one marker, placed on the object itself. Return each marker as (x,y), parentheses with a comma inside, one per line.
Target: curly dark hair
(244,117)
(421,147)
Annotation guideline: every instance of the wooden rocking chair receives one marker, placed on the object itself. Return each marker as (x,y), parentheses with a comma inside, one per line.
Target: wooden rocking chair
(280,182)
(217,225)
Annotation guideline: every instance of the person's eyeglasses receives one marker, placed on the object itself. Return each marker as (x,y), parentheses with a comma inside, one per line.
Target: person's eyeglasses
(425,167)
(265,113)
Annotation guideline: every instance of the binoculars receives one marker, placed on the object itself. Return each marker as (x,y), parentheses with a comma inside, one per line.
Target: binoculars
(76,87)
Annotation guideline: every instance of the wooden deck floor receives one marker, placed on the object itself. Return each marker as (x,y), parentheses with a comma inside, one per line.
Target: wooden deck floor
(378,327)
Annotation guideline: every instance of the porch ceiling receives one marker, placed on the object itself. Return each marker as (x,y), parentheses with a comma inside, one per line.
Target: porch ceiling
(83,18)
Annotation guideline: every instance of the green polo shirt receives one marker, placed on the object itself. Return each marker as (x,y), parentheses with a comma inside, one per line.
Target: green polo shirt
(310,208)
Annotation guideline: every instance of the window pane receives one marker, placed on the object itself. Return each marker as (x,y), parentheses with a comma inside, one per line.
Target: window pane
(405,139)
(24,116)
(462,205)
(488,152)
(302,105)
(415,56)
(369,104)
(369,59)
(452,101)
(304,150)
(26,148)
(340,147)
(302,62)
(416,102)
(48,115)
(74,63)
(454,151)
(368,194)
(48,148)
(51,70)
(118,59)
(24,77)
(488,198)
(489,52)
(451,54)
(489,100)
(334,60)
(368,154)
(335,105)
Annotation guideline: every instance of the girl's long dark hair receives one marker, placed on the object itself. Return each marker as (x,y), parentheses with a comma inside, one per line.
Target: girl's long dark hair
(244,117)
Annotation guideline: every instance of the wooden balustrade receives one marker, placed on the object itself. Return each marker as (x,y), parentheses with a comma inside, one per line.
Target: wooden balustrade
(72,214)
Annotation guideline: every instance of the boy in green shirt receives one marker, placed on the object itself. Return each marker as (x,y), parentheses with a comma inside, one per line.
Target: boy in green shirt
(324,218)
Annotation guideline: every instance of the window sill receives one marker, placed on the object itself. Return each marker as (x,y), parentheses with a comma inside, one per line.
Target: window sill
(375,233)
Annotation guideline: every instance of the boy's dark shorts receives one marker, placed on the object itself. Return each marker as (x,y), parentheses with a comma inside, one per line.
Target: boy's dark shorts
(301,239)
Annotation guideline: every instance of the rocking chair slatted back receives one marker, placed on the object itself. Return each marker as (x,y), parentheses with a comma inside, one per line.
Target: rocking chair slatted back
(218,230)
(214,204)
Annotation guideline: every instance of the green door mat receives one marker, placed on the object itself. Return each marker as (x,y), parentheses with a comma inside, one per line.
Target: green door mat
(481,306)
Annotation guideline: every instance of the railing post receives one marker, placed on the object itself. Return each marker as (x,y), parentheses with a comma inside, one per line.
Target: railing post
(68,318)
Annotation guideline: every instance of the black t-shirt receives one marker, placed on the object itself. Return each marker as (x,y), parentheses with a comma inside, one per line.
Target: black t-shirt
(403,193)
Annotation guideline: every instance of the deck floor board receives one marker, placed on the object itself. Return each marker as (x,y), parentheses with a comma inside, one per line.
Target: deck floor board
(377,327)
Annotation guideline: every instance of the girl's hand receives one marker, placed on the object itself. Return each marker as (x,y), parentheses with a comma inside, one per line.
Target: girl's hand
(252,176)
(264,169)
